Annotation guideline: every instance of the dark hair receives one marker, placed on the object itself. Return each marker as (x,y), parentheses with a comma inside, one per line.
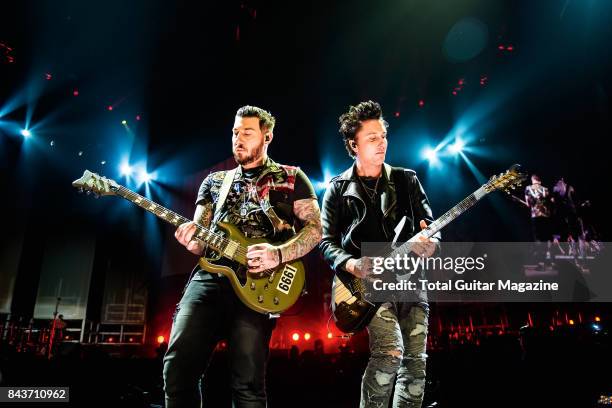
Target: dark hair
(350,122)
(266,120)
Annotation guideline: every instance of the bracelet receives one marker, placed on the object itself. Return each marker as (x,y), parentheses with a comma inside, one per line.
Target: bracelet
(280,256)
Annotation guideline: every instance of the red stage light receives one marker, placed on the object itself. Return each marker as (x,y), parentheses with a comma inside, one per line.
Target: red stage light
(421,103)
(137,117)
(295,336)
(110,339)
(571,322)
(306,336)
(397,114)
(454,92)
(510,48)
(48,76)
(501,47)
(597,318)
(160,339)
(110,107)
(130,339)
(329,335)
(75,92)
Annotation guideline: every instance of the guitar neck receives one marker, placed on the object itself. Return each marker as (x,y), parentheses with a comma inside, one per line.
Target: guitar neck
(216,241)
(454,212)
(443,221)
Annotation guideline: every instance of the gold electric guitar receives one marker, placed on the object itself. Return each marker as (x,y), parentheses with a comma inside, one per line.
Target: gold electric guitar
(270,291)
(352,311)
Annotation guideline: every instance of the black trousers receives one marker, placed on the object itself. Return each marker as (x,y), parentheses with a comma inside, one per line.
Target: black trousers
(208,312)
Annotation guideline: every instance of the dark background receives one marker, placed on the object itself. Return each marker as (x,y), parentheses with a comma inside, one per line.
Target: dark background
(185,67)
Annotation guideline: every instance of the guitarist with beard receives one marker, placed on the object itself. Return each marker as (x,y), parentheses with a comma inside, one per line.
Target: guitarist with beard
(264,200)
(364,204)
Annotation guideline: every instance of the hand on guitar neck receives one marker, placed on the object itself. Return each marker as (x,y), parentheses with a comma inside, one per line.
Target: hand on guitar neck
(184,235)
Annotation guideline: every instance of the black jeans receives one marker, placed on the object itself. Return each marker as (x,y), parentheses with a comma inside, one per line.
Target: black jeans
(209,311)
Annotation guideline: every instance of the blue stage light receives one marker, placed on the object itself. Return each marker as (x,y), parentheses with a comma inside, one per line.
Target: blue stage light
(456,147)
(144,177)
(126,170)
(431,154)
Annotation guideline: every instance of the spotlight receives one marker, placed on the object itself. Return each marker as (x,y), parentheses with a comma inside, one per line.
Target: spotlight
(160,339)
(329,335)
(457,147)
(126,170)
(295,336)
(596,327)
(306,336)
(430,154)
(25,133)
(144,177)
(124,122)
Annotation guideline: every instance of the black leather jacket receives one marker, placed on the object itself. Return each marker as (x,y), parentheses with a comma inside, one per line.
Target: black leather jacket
(344,209)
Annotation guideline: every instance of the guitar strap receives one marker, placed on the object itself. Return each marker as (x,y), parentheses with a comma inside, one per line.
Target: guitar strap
(401,181)
(223,191)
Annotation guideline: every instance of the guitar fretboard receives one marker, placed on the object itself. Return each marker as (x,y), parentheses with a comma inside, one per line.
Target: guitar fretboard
(445,219)
(214,240)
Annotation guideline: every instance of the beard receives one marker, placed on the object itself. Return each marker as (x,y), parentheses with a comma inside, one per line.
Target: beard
(248,157)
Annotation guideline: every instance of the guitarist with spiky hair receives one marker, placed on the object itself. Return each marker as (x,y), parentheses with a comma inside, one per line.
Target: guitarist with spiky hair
(364,204)
(262,199)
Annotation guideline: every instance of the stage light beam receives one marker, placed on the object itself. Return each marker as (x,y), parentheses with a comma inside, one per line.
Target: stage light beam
(456,147)
(430,154)
(144,177)
(126,170)
(25,133)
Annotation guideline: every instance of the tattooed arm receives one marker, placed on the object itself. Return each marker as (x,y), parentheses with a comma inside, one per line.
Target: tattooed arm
(184,233)
(307,211)
(265,256)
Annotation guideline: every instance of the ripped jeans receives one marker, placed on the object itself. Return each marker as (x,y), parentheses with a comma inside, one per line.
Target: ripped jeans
(398,340)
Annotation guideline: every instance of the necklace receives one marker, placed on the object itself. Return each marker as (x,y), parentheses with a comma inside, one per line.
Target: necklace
(372,195)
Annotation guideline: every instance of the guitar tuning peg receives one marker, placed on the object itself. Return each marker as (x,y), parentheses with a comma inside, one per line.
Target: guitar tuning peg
(88,192)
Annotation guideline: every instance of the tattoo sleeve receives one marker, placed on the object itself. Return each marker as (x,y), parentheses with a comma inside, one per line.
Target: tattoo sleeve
(307,211)
(203,214)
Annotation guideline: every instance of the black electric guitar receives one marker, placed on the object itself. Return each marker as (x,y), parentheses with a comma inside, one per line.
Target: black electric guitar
(270,291)
(351,311)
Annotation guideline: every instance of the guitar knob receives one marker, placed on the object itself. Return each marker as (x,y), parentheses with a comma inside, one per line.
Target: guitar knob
(252,285)
(276,300)
(260,298)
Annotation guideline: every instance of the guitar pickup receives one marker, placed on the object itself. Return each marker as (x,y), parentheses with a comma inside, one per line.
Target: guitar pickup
(230,249)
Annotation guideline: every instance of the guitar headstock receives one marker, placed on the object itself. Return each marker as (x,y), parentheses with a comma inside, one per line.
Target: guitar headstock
(94,183)
(506,181)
